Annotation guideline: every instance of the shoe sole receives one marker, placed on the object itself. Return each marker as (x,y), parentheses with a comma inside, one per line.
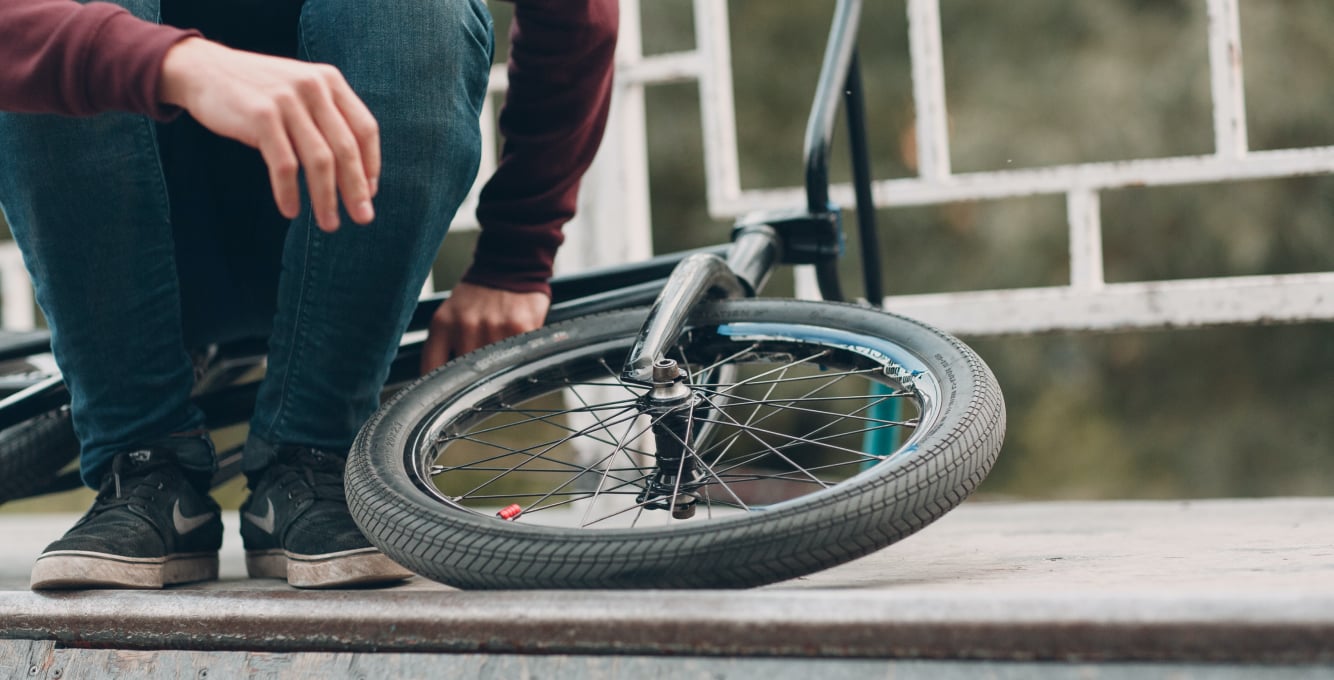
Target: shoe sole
(71,569)
(364,566)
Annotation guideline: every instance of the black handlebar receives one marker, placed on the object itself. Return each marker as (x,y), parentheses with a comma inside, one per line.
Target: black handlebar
(824,109)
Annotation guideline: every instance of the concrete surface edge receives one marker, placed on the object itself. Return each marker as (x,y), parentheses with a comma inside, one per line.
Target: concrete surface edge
(1257,628)
(48,661)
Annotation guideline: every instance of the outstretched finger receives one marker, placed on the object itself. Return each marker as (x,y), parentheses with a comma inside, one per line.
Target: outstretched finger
(486,331)
(281,160)
(349,171)
(435,351)
(318,161)
(364,128)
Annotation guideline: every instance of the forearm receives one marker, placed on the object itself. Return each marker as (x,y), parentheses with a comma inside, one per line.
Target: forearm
(57,56)
(560,67)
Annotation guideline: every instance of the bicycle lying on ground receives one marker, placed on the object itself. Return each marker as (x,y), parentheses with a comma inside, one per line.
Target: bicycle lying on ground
(710,440)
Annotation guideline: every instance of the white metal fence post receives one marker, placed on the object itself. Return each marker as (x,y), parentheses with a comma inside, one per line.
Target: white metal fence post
(613,222)
(1226,78)
(928,80)
(15,290)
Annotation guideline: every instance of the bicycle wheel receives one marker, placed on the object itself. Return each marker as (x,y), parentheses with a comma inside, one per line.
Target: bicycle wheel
(34,451)
(32,454)
(529,464)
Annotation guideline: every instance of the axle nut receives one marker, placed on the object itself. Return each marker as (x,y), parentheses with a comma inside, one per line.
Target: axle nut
(665,371)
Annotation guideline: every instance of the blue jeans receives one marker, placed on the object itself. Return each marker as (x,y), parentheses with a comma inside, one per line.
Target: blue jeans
(145,240)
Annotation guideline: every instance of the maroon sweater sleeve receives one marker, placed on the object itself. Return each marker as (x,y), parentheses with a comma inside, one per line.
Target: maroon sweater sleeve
(560,77)
(57,56)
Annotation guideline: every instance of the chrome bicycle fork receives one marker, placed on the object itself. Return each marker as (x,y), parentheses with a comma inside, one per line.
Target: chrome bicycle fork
(702,276)
(672,406)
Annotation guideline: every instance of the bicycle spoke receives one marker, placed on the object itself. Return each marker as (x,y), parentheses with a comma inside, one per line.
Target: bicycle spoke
(582,495)
(751,379)
(832,380)
(547,415)
(637,506)
(581,399)
(848,416)
(521,464)
(794,440)
(440,469)
(634,491)
(605,406)
(787,476)
(603,479)
(788,400)
(691,452)
(585,470)
(878,400)
(589,468)
(721,362)
(734,440)
(547,446)
(884,424)
(558,425)
(801,440)
(773,421)
(862,457)
(789,461)
(822,375)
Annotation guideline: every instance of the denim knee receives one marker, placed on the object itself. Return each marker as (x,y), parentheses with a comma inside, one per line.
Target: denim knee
(148,10)
(422,68)
(404,50)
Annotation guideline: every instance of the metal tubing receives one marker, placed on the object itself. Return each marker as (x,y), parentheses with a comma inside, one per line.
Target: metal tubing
(23,344)
(698,277)
(407,363)
(861,182)
(826,278)
(43,396)
(820,124)
(603,283)
(755,252)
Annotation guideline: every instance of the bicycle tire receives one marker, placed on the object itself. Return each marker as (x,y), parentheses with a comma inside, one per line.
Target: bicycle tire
(955,440)
(33,452)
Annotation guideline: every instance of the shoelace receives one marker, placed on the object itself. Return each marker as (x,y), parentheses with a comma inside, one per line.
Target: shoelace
(144,479)
(319,476)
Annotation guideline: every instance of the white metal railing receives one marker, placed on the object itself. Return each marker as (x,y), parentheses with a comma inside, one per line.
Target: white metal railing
(614,225)
(1088,302)
(16,306)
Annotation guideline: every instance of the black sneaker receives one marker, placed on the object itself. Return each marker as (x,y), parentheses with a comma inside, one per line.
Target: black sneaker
(296,526)
(150,526)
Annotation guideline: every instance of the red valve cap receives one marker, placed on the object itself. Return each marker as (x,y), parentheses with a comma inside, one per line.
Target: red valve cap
(510,512)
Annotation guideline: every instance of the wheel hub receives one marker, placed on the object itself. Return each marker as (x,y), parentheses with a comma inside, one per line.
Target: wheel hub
(671,406)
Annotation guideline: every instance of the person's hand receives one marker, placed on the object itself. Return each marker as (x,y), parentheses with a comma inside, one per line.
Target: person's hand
(296,113)
(474,316)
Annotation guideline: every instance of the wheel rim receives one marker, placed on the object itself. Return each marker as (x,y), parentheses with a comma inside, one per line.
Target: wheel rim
(780,414)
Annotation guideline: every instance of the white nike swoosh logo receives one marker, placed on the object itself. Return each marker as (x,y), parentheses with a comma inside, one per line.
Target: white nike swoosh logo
(265,523)
(185,525)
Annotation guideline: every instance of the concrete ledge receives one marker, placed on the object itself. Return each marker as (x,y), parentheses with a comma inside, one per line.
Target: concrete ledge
(1023,626)
(48,661)
(1200,582)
